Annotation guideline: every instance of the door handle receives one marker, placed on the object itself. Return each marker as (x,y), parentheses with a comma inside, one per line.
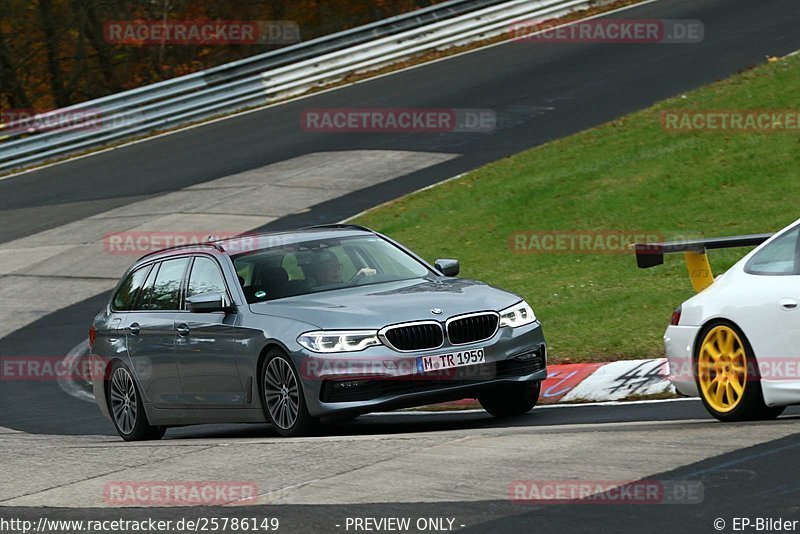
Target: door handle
(134,329)
(183,329)
(788,304)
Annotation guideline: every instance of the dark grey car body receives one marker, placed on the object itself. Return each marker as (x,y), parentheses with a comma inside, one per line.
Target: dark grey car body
(204,367)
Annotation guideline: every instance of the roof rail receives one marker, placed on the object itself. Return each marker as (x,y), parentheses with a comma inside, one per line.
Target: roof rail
(339,225)
(180,247)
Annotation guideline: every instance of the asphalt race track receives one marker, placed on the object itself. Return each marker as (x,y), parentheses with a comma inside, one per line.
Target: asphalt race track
(585,85)
(539,92)
(403,465)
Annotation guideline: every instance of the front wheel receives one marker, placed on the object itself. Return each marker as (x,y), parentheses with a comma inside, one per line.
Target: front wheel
(510,400)
(282,395)
(727,376)
(126,408)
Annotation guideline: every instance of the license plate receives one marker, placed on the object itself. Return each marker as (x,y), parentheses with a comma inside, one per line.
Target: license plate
(451,360)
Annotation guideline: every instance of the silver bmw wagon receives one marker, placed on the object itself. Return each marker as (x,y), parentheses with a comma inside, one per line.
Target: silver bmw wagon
(303,328)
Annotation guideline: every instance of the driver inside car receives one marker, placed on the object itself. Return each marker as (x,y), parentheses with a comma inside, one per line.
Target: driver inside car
(324,268)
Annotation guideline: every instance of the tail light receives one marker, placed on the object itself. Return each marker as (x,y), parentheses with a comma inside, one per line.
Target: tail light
(676,317)
(92,337)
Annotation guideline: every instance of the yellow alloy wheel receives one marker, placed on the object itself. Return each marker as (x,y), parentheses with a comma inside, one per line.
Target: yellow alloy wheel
(722,369)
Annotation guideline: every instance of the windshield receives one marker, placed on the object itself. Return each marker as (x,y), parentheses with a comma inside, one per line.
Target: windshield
(323,265)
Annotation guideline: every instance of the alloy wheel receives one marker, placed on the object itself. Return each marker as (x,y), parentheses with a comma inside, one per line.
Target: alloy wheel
(722,368)
(282,393)
(123,400)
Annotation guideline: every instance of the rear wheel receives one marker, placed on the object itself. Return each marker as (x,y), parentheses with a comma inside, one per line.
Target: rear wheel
(282,396)
(126,408)
(511,399)
(727,376)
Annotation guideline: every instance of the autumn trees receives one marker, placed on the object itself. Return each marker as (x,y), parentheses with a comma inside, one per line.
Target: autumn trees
(54,53)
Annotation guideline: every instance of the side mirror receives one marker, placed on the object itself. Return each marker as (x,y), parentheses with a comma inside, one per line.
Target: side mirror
(208,303)
(448,267)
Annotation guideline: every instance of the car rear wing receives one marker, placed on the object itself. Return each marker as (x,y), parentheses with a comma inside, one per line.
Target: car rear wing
(652,254)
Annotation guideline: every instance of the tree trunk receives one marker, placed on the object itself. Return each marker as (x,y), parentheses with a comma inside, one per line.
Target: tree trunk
(49,27)
(90,25)
(9,83)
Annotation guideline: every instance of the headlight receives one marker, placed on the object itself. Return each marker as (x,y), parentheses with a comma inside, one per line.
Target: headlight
(350,341)
(517,315)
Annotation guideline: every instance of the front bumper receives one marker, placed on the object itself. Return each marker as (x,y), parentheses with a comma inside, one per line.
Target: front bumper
(679,344)
(380,378)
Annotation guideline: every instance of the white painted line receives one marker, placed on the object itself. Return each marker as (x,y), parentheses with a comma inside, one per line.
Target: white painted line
(425,412)
(302,97)
(66,382)
(541,407)
(621,380)
(357,215)
(74,390)
(614,403)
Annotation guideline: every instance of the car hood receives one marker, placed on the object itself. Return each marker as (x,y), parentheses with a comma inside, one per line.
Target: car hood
(378,305)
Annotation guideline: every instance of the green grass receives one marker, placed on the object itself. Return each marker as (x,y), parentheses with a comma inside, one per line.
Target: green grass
(629,174)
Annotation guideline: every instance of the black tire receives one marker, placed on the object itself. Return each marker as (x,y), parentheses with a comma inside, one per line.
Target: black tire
(510,399)
(302,424)
(749,405)
(138,428)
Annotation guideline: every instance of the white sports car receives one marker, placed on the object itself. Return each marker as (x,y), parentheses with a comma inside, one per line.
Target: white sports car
(736,344)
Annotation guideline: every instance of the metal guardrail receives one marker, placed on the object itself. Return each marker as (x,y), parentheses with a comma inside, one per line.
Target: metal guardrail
(282,73)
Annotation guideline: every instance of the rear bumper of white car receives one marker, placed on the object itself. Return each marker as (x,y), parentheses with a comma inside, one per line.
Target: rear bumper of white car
(780,392)
(679,343)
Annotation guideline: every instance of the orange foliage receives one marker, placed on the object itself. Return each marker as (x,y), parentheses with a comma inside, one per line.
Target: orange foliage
(55,52)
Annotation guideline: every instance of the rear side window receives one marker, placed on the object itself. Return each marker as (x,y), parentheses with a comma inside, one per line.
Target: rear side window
(143,302)
(205,278)
(166,291)
(777,258)
(125,298)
